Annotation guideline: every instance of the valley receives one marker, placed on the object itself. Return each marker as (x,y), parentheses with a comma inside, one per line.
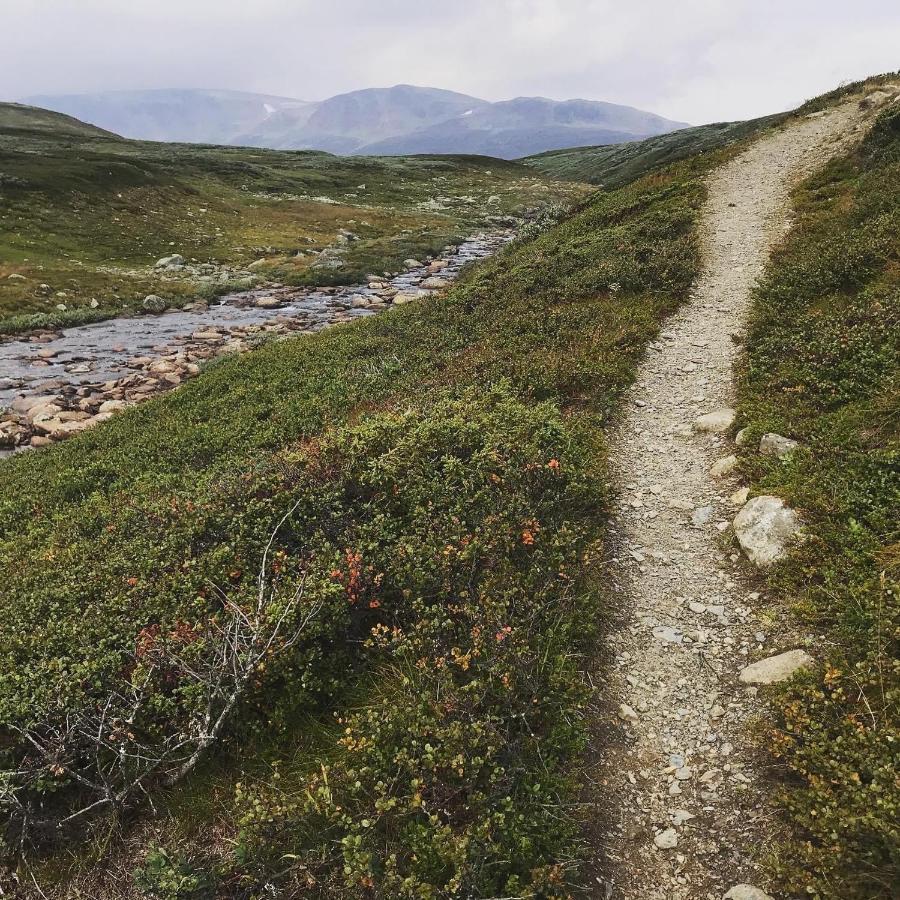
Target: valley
(86,216)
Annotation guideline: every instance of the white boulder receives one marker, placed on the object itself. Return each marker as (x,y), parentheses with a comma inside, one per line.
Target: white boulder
(764,527)
(775,445)
(746,892)
(723,466)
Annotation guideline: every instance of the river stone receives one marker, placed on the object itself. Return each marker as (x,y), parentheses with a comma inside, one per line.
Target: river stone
(717,421)
(154,304)
(776,668)
(764,527)
(405,297)
(267,303)
(111,406)
(435,283)
(775,445)
(746,892)
(175,261)
(412,264)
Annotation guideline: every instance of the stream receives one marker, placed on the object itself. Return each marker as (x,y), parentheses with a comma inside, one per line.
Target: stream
(54,384)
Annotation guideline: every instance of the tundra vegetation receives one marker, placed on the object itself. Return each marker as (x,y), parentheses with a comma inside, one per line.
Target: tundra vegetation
(431,482)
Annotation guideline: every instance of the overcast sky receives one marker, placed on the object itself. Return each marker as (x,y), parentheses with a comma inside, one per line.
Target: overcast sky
(694,60)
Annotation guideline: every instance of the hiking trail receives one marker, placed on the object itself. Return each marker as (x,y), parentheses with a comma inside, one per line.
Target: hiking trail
(690,818)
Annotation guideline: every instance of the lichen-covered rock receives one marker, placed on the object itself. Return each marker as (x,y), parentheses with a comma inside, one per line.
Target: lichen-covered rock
(764,528)
(154,304)
(175,261)
(775,445)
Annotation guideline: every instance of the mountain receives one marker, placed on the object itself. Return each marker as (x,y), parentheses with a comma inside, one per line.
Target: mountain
(348,122)
(528,125)
(189,116)
(399,120)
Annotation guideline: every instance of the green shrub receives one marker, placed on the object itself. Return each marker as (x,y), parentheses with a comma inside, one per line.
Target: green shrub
(171,877)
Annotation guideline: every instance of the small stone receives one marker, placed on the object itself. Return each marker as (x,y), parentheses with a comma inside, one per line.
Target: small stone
(15,276)
(775,445)
(776,668)
(435,284)
(668,634)
(742,436)
(702,516)
(746,892)
(715,422)
(627,714)
(405,297)
(723,467)
(684,773)
(267,303)
(175,261)
(666,840)
(739,497)
(680,816)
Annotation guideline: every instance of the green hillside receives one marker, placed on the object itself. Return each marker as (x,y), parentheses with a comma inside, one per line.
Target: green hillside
(84,216)
(613,165)
(17,118)
(320,622)
(441,485)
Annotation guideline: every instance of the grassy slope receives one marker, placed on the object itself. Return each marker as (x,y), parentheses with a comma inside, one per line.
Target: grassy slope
(617,164)
(88,213)
(822,367)
(451,764)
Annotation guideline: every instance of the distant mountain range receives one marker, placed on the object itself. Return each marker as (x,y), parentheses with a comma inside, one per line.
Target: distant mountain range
(399,120)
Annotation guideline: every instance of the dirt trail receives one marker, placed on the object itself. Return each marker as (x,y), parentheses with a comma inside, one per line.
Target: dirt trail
(692,817)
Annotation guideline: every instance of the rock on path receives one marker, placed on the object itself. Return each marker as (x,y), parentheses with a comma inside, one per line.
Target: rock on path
(691,818)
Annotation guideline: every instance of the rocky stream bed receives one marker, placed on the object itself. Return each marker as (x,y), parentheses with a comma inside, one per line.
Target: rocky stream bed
(54,384)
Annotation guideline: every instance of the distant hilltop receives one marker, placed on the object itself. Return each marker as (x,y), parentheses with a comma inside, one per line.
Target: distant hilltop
(403,119)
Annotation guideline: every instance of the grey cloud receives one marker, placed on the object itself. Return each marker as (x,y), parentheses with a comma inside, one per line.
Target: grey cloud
(696,60)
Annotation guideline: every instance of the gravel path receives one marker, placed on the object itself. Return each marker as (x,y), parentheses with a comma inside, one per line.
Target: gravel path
(691,818)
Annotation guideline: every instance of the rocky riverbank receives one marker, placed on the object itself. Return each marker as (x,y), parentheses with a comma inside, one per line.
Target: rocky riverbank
(54,384)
